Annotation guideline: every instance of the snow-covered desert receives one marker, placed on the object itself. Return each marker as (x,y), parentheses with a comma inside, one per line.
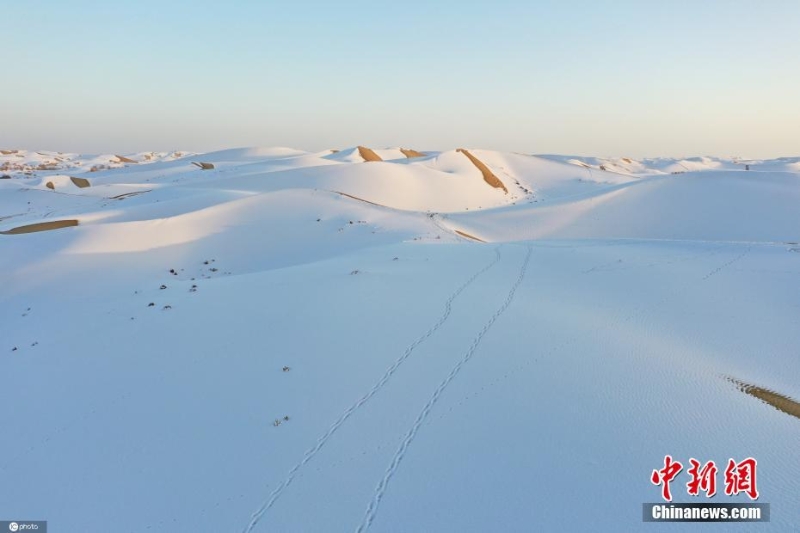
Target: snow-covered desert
(392,340)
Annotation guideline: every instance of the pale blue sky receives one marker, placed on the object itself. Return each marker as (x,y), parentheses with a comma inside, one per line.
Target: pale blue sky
(637,78)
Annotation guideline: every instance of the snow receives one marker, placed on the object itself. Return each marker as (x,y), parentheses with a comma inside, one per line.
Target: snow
(432,383)
(667,165)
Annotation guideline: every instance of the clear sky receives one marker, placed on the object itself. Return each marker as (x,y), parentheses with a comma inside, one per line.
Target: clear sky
(637,78)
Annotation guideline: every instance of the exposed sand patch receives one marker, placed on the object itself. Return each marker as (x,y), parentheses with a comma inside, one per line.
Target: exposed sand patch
(778,401)
(123,159)
(468,236)
(409,153)
(488,176)
(81,183)
(41,226)
(359,199)
(8,152)
(127,195)
(204,166)
(368,154)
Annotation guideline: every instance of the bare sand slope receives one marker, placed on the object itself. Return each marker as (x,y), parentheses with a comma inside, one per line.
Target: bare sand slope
(57,182)
(41,226)
(468,236)
(127,195)
(488,176)
(359,199)
(778,401)
(409,153)
(368,154)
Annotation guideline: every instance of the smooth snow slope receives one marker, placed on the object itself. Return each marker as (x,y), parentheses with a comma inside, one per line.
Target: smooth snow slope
(297,341)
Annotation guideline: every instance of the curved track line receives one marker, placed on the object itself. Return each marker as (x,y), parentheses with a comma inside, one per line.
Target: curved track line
(448,307)
(369,515)
(727,264)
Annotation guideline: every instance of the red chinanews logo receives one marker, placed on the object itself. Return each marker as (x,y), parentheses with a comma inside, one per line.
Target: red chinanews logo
(739,477)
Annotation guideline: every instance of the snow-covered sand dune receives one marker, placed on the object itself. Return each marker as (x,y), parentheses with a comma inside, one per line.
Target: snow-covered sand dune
(293,341)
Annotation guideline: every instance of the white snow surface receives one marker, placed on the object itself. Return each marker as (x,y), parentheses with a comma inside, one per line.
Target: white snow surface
(297,342)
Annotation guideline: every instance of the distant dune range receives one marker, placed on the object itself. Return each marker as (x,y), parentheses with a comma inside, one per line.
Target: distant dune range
(537,197)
